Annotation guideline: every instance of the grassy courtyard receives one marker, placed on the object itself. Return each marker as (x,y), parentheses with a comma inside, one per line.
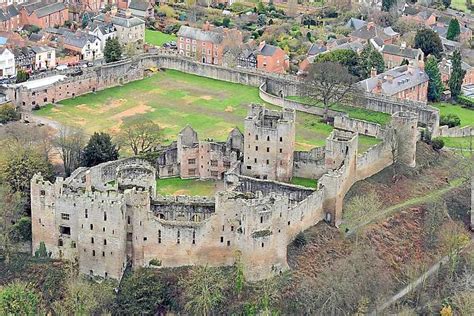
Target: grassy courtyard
(305,182)
(466,115)
(158,38)
(193,187)
(173,100)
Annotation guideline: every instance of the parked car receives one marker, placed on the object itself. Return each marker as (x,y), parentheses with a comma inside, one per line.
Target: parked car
(61,67)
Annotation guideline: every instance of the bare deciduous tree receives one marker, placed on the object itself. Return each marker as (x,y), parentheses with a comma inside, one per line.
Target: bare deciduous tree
(327,82)
(11,208)
(141,136)
(70,142)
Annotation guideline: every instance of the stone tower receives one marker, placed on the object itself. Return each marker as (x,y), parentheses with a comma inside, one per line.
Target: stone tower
(269,143)
(405,129)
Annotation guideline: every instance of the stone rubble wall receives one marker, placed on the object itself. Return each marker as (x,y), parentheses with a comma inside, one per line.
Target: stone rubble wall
(445,131)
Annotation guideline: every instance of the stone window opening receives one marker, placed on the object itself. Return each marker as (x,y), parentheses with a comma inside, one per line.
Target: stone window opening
(128,220)
(256,137)
(268,162)
(92,226)
(228,243)
(86,214)
(223,227)
(268,149)
(73,244)
(65,230)
(256,148)
(222,239)
(103,229)
(194,237)
(281,139)
(288,223)
(231,228)
(249,167)
(60,242)
(268,138)
(261,219)
(103,253)
(145,238)
(105,216)
(39,220)
(178,236)
(129,236)
(159,236)
(255,160)
(281,150)
(105,242)
(263,244)
(93,253)
(92,240)
(106,274)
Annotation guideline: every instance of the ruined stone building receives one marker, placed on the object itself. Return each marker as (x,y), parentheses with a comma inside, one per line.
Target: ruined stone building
(108,217)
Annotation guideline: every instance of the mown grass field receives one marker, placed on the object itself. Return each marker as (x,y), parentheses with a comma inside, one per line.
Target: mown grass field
(158,38)
(193,187)
(173,100)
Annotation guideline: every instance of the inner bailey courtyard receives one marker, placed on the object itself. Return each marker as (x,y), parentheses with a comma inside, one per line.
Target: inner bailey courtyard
(109,217)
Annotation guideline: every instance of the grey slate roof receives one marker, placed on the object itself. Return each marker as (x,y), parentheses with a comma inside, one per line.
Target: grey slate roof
(49,9)
(41,49)
(395,80)
(78,39)
(213,36)
(104,28)
(316,49)
(8,13)
(268,50)
(354,46)
(367,33)
(355,24)
(121,20)
(407,52)
(139,5)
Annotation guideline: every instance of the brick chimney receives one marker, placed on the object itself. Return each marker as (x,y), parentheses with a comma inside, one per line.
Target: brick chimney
(373,72)
(206,26)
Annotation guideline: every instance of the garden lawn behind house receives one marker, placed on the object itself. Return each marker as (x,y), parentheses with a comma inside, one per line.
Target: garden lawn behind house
(158,38)
(465,114)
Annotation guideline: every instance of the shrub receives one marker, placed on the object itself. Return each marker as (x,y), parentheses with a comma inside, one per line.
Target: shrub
(437,144)
(22,229)
(451,120)
(466,101)
(8,113)
(300,240)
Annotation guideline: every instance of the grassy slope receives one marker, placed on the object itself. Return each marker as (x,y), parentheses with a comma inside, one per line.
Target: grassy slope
(177,186)
(158,38)
(354,112)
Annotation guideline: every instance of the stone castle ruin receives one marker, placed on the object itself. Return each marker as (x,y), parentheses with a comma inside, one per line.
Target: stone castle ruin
(109,217)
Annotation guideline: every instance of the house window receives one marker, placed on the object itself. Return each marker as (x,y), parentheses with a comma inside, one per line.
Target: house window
(92,240)
(105,216)
(214,163)
(214,173)
(65,216)
(192,172)
(191,161)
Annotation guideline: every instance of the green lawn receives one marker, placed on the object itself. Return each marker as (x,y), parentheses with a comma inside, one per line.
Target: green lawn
(459,5)
(158,38)
(466,115)
(305,182)
(174,99)
(458,142)
(178,186)
(353,112)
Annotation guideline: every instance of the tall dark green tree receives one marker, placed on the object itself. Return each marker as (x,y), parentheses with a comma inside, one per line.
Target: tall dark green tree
(429,42)
(453,30)
(435,85)
(112,50)
(388,4)
(345,57)
(457,75)
(99,149)
(446,3)
(370,58)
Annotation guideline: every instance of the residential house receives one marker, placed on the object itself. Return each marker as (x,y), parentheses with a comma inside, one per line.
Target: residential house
(25,59)
(7,63)
(314,50)
(87,46)
(446,67)
(403,82)
(142,8)
(130,29)
(9,18)
(247,58)
(272,58)
(45,57)
(372,31)
(103,31)
(355,24)
(208,44)
(441,27)
(44,14)
(394,55)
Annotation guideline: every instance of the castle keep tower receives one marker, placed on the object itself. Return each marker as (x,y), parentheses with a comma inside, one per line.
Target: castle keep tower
(406,135)
(269,143)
